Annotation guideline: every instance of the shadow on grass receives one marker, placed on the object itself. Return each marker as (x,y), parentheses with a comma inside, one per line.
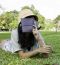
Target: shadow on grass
(43,55)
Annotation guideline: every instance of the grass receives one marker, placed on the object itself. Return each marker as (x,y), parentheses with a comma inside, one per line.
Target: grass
(51,38)
(4,35)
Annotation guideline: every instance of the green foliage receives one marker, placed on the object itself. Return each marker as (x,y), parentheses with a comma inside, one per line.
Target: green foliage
(41,21)
(51,38)
(7,18)
(13,25)
(56,21)
(57,18)
(49,24)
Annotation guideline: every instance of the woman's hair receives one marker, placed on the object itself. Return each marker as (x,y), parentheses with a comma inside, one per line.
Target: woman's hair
(26,40)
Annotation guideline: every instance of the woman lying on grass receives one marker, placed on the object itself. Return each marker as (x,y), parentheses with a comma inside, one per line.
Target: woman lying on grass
(28,43)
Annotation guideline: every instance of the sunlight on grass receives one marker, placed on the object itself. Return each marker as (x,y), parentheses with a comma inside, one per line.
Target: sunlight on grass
(51,38)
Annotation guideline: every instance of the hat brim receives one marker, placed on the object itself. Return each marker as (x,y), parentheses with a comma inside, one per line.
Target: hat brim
(36,18)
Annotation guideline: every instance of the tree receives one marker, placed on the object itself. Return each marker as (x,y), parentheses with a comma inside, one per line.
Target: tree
(56,20)
(7,18)
(13,25)
(49,25)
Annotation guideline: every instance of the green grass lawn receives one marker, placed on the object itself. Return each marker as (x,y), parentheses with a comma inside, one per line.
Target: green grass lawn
(51,38)
(4,35)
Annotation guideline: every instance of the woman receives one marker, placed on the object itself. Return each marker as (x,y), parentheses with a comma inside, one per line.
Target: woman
(27,44)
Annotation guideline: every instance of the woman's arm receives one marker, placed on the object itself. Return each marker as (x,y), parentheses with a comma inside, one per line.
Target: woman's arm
(28,54)
(38,37)
(23,54)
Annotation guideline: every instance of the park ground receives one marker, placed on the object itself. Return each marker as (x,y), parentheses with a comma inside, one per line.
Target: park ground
(51,38)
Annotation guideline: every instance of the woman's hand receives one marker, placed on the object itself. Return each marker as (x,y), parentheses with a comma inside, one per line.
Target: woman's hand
(44,50)
(35,32)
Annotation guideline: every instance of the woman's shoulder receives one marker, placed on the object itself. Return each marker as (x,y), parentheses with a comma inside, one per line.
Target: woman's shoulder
(14,32)
(14,35)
